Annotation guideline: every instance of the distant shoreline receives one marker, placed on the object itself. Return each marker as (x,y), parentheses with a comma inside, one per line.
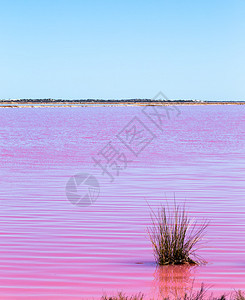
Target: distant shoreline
(92,103)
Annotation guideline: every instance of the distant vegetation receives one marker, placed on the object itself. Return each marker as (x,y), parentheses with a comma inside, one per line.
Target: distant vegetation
(49,100)
(110,102)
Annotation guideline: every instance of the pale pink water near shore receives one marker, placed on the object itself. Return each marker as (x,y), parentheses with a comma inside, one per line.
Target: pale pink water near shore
(51,249)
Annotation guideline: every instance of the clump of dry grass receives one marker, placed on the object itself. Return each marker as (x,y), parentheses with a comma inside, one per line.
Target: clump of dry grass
(174,236)
(239,295)
(198,295)
(122,296)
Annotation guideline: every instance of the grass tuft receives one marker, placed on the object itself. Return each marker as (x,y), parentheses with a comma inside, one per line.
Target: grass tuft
(122,296)
(239,295)
(201,294)
(174,236)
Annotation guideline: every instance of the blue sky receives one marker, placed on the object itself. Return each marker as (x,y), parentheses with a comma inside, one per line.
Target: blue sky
(122,49)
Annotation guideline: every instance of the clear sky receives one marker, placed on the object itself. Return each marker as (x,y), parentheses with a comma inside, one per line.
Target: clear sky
(122,49)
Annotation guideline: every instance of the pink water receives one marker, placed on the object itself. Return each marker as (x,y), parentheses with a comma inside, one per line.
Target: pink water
(51,249)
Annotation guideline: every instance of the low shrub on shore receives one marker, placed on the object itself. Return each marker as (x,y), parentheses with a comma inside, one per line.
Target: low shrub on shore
(122,296)
(174,236)
(199,295)
(239,295)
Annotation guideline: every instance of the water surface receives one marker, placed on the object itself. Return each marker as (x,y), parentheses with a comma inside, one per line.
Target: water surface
(51,249)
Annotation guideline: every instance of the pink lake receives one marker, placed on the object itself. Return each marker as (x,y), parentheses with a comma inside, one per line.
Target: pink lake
(52,249)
